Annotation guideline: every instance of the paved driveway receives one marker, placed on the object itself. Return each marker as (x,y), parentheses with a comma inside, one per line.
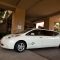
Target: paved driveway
(34,54)
(49,53)
(12,55)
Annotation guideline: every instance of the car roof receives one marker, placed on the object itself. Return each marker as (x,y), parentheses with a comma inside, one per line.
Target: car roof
(43,29)
(38,29)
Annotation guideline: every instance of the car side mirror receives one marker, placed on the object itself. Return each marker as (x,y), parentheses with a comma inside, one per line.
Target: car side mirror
(32,34)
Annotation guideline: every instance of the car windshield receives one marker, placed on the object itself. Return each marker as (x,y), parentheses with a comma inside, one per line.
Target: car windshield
(23,31)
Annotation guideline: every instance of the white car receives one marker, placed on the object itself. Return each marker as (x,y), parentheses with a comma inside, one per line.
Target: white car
(35,38)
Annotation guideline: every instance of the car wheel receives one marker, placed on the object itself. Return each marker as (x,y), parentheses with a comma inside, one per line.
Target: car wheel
(20,46)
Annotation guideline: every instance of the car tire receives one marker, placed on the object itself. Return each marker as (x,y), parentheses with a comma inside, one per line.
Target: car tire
(20,46)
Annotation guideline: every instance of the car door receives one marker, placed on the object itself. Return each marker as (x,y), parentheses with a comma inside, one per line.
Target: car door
(56,41)
(33,39)
(48,40)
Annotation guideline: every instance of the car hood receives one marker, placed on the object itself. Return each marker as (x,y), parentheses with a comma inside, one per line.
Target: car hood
(11,35)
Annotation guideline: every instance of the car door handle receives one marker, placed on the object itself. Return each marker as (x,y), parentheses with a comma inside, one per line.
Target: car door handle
(40,37)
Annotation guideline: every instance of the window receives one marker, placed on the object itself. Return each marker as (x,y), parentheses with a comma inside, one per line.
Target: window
(34,33)
(48,33)
(42,33)
(57,26)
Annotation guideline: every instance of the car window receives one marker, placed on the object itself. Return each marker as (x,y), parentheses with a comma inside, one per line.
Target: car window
(34,33)
(48,33)
(55,33)
(42,33)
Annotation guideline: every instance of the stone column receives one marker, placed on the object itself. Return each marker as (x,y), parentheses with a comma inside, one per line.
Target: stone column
(18,20)
(46,24)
